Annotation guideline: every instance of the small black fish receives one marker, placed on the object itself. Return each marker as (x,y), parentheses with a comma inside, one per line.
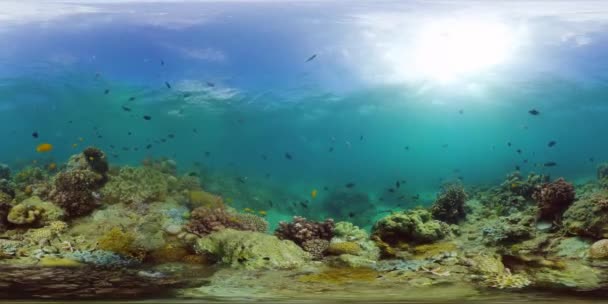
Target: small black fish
(111,146)
(331,149)
(311,58)
(534,112)
(516,168)
(168,85)
(163,140)
(591,159)
(461,111)
(509,144)
(361,137)
(126,109)
(106,92)
(186,95)
(195,130)
(525,161)
(407,148)
(325,188)
(518,151)
(211,84)
(550,164)
(391,190)
(351,214)
(192,174)
(69,121)
(171,135)
(136,149)
(129,133)
(551,143)
(148,147)
(270,203)
(264,157)
(288,156)
(303,204)
(349,185)
(397,184)
(35,134)
(131,98)
(99,136)
(147,117)
(207,153)
(162,62)
(242,179)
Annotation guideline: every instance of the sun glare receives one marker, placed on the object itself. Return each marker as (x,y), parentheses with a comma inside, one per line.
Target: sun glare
(445,51)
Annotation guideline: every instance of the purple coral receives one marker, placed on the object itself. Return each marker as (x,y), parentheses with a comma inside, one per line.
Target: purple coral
(204,221)
(301,230)
(554,198)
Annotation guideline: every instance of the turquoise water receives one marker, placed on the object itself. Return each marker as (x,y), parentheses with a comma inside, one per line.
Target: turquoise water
(231,92)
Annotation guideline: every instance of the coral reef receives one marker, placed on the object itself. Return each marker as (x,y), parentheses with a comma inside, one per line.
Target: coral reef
(204,221)
(205,199)
(5,171)
(508,229)
(449,205)
(599,250)
(136,185)
(34,212)
(415,226)
(344,248)
(316,247)
(301,230)
(602,171)
(349,232)
(251,250)
(75,191)
(588,216)
(118,241)
(553,199)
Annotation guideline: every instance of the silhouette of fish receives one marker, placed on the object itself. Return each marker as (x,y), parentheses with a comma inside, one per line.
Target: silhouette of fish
(550,164)
(551,143)
(126,109)
(288,156)
(131,98)
(534,112)
(147,117)
(397,184)
(106,92)
(35,134)
(168,85)
(349,185)
(311,58)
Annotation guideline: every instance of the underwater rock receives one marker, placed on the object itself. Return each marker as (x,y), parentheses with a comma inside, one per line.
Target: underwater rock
(5,171)
(96,159)
(349,205)
(35,212)
(349,232)
(204,221)
(5,198)
(301,230)
(553,199)
(74,191)
(573,247)
(508,229)
(516,184)
(251,250)
(493,273)
(449,206)
(588,216)
(602,171)
(135,185)
(414,226)
(599,249)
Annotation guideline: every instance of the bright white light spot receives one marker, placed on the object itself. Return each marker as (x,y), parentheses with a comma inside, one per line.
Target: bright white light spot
(447,50)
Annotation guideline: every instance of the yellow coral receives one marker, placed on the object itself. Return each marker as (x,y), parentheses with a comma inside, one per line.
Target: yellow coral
(344,248)
(118,241)
(507,280)
(340,276)
(205,199)
(429,250)
(58,227)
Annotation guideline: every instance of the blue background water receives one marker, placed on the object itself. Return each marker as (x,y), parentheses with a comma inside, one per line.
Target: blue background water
(58,58)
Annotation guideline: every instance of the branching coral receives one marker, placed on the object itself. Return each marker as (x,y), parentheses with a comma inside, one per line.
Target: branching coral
(415,226)
(74,191)
(554,198)
(449,206)
(136,185)
(204,221)
(301,230)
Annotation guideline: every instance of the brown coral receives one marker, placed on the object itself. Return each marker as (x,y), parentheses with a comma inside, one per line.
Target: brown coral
(74,191)
(204,221)
(301,230)
(316,248)
(449,206)
(553,199)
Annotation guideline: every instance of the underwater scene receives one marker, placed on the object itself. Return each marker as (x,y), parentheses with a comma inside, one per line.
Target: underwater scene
(303,151)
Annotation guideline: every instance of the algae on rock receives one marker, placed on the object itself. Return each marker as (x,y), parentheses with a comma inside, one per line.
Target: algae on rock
(136,185)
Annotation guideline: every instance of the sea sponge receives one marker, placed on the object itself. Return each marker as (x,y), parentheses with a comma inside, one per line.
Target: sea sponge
(449,205)
(251,250)
(136,185)
(317,248)
(74,191)
(414,226)
(344,248)
(599,250)
(34,211)
(205,220)
(553,199)
(301,230)
(200,198)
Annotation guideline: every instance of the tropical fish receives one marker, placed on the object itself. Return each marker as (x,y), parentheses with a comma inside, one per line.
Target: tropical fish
(126,109)
(168,85)
(311,58)
(74,145)
(349,185)
(80,139)
(550,164)
(397,184)
(52,166)
(106,92)
(147,117)
(35,134)
(288,156)
(551,143)
(534,112)
(331,149)
(211,84)
(518,151)
(461,111)
(262,212)
(44,147)
(313,193)
(131,98)
(304,204)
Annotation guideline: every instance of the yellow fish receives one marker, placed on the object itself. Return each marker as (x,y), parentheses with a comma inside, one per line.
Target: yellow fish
(52,166)
(313,193)
(262,212)
(80,139)
(45,147)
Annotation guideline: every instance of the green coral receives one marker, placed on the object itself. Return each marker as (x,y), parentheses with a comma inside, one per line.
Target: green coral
(34,211)
(415,226)
(136,185)
(349,232)
(251,250)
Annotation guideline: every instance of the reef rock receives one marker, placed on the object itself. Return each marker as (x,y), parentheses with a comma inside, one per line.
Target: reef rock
(301,230)
(251,250)
(415,226)
(449,206)
(553,199)
(599,250)
(35,212)
(75,191)
(204,221)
